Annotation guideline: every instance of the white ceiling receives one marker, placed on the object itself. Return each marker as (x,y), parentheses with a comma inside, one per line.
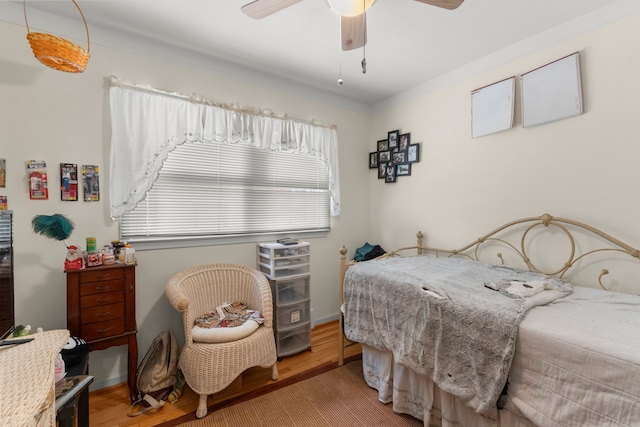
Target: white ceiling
(410,45)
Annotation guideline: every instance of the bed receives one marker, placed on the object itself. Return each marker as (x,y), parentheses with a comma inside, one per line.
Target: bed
(532,324)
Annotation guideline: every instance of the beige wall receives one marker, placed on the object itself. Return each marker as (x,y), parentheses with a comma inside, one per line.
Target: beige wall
(585,168)
(59,117)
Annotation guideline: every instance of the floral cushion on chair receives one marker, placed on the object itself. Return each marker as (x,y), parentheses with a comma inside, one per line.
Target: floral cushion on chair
(228,322)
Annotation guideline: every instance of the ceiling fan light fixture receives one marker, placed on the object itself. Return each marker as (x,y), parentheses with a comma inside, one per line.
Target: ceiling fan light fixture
(350,7)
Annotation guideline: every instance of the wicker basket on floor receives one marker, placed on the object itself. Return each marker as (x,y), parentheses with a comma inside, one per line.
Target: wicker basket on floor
(56,52)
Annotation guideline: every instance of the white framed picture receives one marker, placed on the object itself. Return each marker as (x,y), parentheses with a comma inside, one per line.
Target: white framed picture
(492,108)
(552,92)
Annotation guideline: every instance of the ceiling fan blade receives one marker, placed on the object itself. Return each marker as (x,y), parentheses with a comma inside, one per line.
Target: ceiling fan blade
(446,4)
(259,9)
(353,31)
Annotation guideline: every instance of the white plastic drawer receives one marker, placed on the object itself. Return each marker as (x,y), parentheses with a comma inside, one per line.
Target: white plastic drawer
(284,261)
(285,271)
(275,250)
(294,341)
(291,261)
(291,316)
(293,250)
(291,291)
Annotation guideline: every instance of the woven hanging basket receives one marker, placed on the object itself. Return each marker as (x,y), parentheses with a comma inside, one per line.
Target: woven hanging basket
(56,52)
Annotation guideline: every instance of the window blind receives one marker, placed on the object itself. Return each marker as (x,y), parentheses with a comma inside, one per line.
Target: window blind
(215,189)
(5,232)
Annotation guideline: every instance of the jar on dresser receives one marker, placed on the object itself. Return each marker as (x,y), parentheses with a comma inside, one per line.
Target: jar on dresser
(101,309)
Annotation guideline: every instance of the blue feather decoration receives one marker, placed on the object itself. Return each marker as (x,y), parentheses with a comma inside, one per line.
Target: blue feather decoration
(56,226)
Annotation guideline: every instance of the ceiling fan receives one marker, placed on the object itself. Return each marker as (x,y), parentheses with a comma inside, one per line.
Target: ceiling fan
(353,19)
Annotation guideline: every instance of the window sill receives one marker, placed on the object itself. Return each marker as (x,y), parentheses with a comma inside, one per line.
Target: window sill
(179,242)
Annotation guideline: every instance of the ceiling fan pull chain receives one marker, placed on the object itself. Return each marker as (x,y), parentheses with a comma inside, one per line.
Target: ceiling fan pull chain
(364,47)
(364,59)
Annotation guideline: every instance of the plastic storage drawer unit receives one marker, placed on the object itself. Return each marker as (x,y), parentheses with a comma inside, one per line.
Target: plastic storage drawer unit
(288,268)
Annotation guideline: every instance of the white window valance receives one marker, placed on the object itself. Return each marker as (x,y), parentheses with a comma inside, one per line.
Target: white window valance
(148,123)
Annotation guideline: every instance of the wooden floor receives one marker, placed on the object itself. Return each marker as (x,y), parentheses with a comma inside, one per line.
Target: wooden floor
(108,406)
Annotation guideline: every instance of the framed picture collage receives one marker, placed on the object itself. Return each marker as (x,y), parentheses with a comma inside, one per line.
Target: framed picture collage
(394,156)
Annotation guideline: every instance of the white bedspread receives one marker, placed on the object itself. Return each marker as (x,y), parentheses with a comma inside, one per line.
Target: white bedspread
(577,364)
(438,319)
(577,361)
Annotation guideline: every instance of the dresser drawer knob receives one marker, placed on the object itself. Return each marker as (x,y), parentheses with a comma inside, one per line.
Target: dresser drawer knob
(103,314)
(103,288)
(102,331)
(103,276)
(101,300)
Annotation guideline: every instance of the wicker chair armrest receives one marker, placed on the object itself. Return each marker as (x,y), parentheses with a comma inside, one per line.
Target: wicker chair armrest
(175,297)
(267,302)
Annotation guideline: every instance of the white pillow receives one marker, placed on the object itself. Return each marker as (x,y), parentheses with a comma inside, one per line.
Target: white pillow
(214,335)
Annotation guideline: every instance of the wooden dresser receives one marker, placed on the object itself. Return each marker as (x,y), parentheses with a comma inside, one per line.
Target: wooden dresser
(101,309)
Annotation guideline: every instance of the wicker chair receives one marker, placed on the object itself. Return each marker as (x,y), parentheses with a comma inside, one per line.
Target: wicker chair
(210,367)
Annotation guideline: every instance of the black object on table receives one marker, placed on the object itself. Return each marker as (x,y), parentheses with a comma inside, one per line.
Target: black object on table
(72,395)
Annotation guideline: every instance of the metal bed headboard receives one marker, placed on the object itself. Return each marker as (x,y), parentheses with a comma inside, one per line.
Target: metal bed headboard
(501,236)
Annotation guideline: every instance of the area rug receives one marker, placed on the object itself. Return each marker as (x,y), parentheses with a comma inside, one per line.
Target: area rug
(337,397)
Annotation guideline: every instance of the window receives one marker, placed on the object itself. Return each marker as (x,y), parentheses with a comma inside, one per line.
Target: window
(186,171)
(211,191)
